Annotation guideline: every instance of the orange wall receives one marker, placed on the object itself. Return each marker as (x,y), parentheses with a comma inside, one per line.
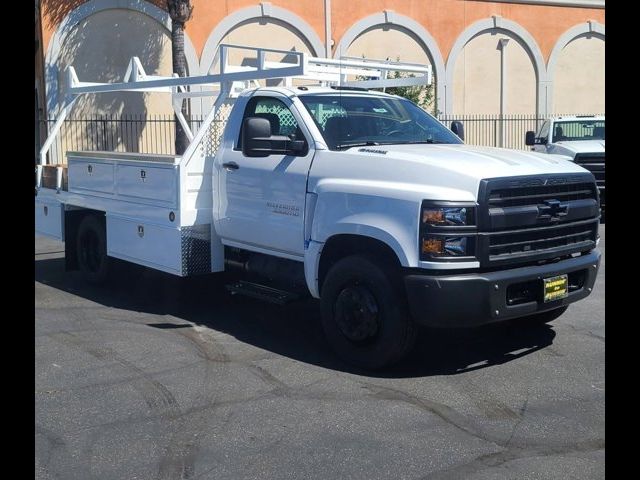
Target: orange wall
(444,19)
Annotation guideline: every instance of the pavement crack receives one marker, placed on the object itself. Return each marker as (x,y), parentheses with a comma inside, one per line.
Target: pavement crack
(498,459)
(522,411)
(446,413)
(156,395)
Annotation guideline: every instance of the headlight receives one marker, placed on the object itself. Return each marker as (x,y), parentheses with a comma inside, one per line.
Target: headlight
(447,216)
(447,232)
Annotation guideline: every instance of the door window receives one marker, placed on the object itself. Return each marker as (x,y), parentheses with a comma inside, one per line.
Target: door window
(543,133)
(280,117)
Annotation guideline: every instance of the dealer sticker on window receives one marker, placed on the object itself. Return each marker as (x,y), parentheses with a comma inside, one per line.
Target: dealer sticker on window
(556,288)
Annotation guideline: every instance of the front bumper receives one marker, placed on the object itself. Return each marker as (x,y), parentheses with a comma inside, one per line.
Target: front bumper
(473,299)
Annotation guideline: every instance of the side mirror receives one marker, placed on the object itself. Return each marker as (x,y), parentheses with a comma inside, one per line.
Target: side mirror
(530,138)
(257,140)
(256,134)
(458,128)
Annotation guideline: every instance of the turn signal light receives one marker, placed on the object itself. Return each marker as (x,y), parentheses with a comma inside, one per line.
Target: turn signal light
(445,246)
(432,246)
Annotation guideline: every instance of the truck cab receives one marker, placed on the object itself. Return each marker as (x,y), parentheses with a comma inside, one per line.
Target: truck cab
(581,138)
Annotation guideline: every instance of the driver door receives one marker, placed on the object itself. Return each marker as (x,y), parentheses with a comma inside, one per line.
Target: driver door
(263,198)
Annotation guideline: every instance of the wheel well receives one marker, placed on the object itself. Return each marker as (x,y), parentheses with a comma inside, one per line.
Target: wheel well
(341,246)
(72,219)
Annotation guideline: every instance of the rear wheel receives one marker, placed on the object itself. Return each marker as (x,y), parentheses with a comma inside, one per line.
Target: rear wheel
(92,249)
(364,314)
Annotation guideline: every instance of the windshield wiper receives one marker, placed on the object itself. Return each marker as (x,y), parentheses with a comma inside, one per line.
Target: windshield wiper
(428,141)
(368,143)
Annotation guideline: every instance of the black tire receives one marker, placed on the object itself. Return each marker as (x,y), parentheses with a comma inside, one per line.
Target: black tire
(364,314)
(544,317)
(91,246)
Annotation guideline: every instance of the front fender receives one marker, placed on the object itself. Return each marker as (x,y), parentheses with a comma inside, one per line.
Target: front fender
(390,220)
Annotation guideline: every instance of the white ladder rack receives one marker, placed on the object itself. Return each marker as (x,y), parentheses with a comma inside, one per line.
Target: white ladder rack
(233,79)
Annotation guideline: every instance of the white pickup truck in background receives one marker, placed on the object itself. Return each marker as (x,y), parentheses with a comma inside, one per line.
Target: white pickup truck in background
(581,138)
(354,197)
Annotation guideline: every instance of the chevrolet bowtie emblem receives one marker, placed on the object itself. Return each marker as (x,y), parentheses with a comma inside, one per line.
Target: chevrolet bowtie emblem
(552,210)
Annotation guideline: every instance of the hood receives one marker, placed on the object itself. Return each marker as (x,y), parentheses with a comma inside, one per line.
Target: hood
(581,146)
(479,162)
(438,172)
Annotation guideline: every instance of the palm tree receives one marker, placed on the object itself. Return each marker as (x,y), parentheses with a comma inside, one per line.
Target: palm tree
(180,12)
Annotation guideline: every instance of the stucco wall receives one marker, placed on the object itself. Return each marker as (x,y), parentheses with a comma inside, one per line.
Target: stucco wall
(388,42)
(100,48)
(477,78)
(266,33)
(579,77)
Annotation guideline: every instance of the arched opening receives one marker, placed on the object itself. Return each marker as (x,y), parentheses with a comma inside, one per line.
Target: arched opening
(579,77)
(485,60)
(497,27)
(385,34)
(394,42)
(262,32)
(98,38)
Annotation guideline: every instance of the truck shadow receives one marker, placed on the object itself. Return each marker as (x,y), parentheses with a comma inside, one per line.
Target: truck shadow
(294,330)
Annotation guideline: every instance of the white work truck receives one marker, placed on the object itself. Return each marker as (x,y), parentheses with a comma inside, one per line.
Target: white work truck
(579,137)
(354,197)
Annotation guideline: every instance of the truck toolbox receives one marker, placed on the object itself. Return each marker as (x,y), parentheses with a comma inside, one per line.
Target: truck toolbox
(49,218)
(146,182)
(87,176)
(151,245)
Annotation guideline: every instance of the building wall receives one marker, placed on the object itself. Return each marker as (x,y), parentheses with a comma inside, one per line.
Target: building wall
(100,47)
(388,42)
(40,97)
(477,77)
(441,32)
(256,33)
(579,77)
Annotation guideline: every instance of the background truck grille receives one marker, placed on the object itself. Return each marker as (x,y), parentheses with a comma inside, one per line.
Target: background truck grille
(594,162)
(536,218)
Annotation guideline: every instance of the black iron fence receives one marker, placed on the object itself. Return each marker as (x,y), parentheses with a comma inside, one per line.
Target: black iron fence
(116,133)
(495,131)
(156,133)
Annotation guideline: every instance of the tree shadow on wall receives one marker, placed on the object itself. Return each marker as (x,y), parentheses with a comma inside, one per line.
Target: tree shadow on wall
(100,47)
(55,11)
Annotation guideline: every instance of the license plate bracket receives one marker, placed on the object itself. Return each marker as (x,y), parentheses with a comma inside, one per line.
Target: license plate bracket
(555,288)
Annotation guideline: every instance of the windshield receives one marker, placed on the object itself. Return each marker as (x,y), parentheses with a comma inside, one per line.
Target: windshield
(356,120)
(576,130)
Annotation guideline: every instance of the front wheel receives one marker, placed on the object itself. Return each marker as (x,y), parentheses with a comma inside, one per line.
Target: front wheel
(364,314)
(91,245)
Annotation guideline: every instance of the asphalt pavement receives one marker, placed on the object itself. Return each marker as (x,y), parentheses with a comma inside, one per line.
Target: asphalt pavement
(156,377)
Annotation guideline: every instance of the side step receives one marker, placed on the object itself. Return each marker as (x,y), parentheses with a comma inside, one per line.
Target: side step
(262,292)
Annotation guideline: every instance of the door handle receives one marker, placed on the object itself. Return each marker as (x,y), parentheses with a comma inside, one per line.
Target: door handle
(231,165)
